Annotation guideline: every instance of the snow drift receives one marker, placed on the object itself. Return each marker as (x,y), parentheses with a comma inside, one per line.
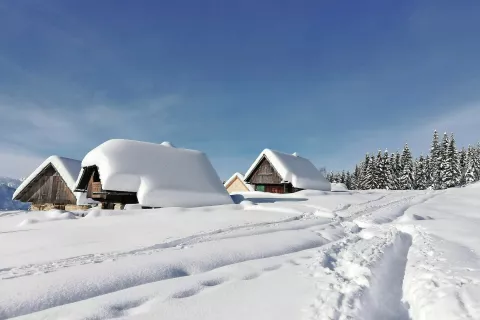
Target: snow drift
(160,174)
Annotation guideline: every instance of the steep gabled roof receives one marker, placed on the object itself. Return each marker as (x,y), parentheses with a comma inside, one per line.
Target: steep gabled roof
(241,178)
(160,175)
(299,171)
(67,168)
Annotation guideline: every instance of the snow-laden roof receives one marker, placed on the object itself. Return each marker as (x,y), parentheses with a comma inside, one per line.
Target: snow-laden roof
(300,172)
(161,176)
(241,178)
(67,168)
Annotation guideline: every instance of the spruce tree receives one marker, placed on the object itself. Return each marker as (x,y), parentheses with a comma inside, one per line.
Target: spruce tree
(368,176)
(454,163)
(365,170)
(348,180)
(421,181)
(398,169)
(470,172)
(435,160)
(462,163)
(388,171)
(446,174)
(392,181)
(407,176)
(343,178)
(357,176)
(379,173)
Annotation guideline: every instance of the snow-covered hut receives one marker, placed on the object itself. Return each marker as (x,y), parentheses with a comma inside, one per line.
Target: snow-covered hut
(152,175)
(236,183)
(52,185)
(279,172)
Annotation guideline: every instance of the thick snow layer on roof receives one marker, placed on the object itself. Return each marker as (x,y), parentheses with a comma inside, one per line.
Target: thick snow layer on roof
(161,176)
(300,172)
(240,177)
(67,168)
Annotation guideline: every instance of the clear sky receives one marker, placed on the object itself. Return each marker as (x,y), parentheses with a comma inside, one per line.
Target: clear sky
(330,80)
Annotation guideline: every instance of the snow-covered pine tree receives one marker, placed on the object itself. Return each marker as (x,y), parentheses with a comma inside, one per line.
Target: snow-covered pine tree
(329,176)
(343,177)
(398,169)
(388,171)
(348,180)
(470,174)
(421,181)
(368,176)
(462,163)
(379,172)
(392,180)
(435,160)
(476,161)
(454,163)
(407,178)
(356,178)
(446,175)
(365,168)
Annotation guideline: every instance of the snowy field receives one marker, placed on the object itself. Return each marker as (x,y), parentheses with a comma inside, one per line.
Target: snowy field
(309,255)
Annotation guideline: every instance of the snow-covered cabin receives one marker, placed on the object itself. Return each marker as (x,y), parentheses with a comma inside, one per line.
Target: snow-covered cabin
(52,185)
(279,172)
(152,175)
(236,183)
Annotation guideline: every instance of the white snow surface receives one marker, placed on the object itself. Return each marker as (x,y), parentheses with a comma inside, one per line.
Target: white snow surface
(300,172)
(386,255)
(161,175)
(338,186)
(67,168)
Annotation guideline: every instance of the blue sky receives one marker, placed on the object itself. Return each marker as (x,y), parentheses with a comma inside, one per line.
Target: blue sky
(330,80)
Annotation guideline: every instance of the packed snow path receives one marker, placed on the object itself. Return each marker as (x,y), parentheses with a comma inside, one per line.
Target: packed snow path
(311,255)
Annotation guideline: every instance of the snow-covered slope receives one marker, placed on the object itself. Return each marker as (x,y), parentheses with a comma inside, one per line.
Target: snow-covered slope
(310,255)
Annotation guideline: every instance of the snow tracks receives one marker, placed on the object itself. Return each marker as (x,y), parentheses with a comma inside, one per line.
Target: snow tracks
(362,276)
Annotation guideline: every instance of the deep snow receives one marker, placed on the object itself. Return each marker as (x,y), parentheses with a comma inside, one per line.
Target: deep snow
(161,175)
(309,255)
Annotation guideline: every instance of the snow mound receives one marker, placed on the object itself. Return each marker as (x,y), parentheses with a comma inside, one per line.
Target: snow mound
(160,175)
(300,172)
(338,186)
(47,216)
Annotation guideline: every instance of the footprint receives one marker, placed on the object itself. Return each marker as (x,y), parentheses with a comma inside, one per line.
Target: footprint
(122,309)
(272,268)
(293,262)
(251,276)
(212,282)
(186,293)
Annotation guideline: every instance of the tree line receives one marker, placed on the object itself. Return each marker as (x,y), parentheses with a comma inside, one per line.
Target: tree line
(444,167)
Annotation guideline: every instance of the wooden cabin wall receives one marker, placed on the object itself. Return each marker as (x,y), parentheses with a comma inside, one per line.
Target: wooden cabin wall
(265,173)
(49,187)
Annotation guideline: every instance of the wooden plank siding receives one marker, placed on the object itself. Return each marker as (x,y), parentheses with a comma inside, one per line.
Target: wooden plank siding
(48,187)
(265,173)
(266,178)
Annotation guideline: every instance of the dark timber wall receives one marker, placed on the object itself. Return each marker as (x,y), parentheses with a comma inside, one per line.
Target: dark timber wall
(265,173)
(48,187)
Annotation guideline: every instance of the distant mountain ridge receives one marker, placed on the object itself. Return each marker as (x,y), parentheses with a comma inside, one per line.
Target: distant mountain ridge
(7,188)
